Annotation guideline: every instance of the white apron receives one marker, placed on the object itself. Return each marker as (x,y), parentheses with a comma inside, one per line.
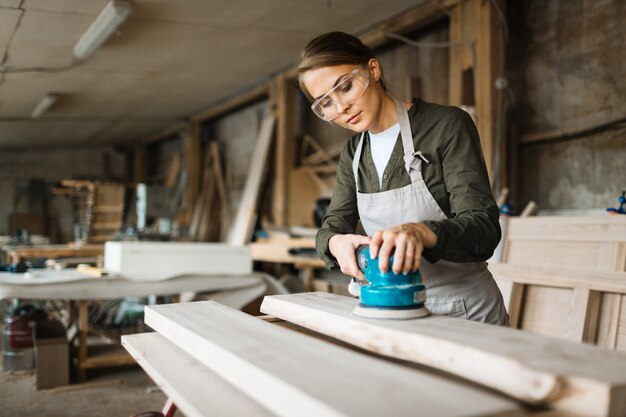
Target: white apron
(456,289)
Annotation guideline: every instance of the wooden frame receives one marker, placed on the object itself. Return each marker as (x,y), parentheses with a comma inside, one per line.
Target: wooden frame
(566,277)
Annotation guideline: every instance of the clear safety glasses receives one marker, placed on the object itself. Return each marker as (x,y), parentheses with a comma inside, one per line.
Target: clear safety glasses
(346,93)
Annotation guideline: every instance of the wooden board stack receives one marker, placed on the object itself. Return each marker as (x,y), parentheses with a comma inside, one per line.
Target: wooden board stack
(290,374)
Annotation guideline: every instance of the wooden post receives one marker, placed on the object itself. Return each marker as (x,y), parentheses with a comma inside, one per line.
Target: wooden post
(475,22)
(83,333)
(283,97)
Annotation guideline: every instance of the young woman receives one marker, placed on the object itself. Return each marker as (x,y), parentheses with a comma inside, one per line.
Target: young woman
(415,177)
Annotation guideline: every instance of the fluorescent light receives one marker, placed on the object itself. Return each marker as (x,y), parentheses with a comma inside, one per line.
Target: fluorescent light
(107,22)
(44,105)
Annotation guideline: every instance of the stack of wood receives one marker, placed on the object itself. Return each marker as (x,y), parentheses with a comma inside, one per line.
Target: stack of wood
(98,208)
(441,366)
(209,218)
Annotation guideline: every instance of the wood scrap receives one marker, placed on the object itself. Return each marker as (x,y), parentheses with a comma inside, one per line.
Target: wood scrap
(292,374)
(173,170)
(578,379)
(242,228)
(221,189)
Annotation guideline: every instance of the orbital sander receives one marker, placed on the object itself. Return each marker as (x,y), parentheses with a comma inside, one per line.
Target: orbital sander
(387,295)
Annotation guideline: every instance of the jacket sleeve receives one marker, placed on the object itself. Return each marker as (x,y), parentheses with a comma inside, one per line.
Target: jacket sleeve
(342,214)
(473,231)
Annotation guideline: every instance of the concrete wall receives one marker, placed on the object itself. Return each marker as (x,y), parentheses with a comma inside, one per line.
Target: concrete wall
(568,64)
(17,168)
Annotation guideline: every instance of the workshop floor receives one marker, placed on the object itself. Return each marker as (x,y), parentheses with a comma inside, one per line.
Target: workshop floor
(128,393)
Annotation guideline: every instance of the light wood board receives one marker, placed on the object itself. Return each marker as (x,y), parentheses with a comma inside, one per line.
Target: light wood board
(593,228)
(296,375)
(579,379)
(198,391)
(242,227)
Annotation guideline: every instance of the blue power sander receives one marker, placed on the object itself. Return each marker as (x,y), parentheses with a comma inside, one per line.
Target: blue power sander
(388,295)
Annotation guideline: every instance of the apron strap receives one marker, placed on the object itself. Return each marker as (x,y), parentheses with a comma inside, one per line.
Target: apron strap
(412,164)
(356,160)
(412,161)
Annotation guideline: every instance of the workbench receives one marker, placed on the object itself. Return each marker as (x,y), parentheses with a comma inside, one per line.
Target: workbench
(277,251)
(79,288)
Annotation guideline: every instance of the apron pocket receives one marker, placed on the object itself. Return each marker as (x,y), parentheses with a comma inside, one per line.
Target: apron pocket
(447,306)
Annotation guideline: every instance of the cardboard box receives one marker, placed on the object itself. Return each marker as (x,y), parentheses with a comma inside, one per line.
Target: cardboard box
(52,355)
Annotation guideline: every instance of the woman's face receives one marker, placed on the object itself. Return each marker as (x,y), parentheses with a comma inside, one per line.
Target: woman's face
(359,115)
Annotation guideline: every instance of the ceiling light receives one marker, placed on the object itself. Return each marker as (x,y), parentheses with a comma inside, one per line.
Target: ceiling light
(44,105)
(107,22)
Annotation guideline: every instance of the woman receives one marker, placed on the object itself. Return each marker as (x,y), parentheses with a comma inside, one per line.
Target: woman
(415,177)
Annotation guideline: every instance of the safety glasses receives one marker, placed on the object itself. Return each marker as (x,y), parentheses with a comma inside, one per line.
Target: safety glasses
(346,93)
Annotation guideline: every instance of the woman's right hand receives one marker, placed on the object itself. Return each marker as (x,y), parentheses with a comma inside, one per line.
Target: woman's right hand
(343,248)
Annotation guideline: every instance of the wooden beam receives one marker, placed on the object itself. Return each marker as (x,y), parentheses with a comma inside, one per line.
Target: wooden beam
(582,323)
(487,57)
(233,104)
(292,374)
(173,130)
(557,277)
(420,16)
(578,379)
(573,229)
(283,88)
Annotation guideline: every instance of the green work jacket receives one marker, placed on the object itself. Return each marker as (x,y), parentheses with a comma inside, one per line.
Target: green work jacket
(456,177)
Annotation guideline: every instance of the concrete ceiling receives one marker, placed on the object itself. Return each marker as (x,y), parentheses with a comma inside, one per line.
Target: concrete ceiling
(170,60)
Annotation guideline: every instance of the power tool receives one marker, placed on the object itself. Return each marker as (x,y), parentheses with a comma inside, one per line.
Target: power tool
(388,295)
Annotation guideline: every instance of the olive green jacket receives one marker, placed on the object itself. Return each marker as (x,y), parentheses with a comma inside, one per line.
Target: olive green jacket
(456,177)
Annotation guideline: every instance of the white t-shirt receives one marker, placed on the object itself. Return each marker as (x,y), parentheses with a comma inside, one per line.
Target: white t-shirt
(382,145)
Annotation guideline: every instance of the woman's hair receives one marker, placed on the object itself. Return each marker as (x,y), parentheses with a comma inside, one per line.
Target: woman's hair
(333,48)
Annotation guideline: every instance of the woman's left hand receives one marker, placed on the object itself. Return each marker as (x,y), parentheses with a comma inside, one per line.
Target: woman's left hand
(409,240)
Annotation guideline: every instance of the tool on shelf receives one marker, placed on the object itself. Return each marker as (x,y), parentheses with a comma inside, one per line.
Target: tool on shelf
(388,295)
(622,205)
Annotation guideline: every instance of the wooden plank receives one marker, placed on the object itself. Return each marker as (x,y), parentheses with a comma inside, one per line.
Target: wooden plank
(221,188)
(555,277)
(241,229)
(555,254)
(198,391)
(155,260)
(621,326)
(569,229)
(293,374)
(582,322)
(610,320)
(192,159)
(173,170)
(580,379)
(516,304)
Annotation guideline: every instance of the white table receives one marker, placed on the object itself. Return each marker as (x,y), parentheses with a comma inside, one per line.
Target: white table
(79,288)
